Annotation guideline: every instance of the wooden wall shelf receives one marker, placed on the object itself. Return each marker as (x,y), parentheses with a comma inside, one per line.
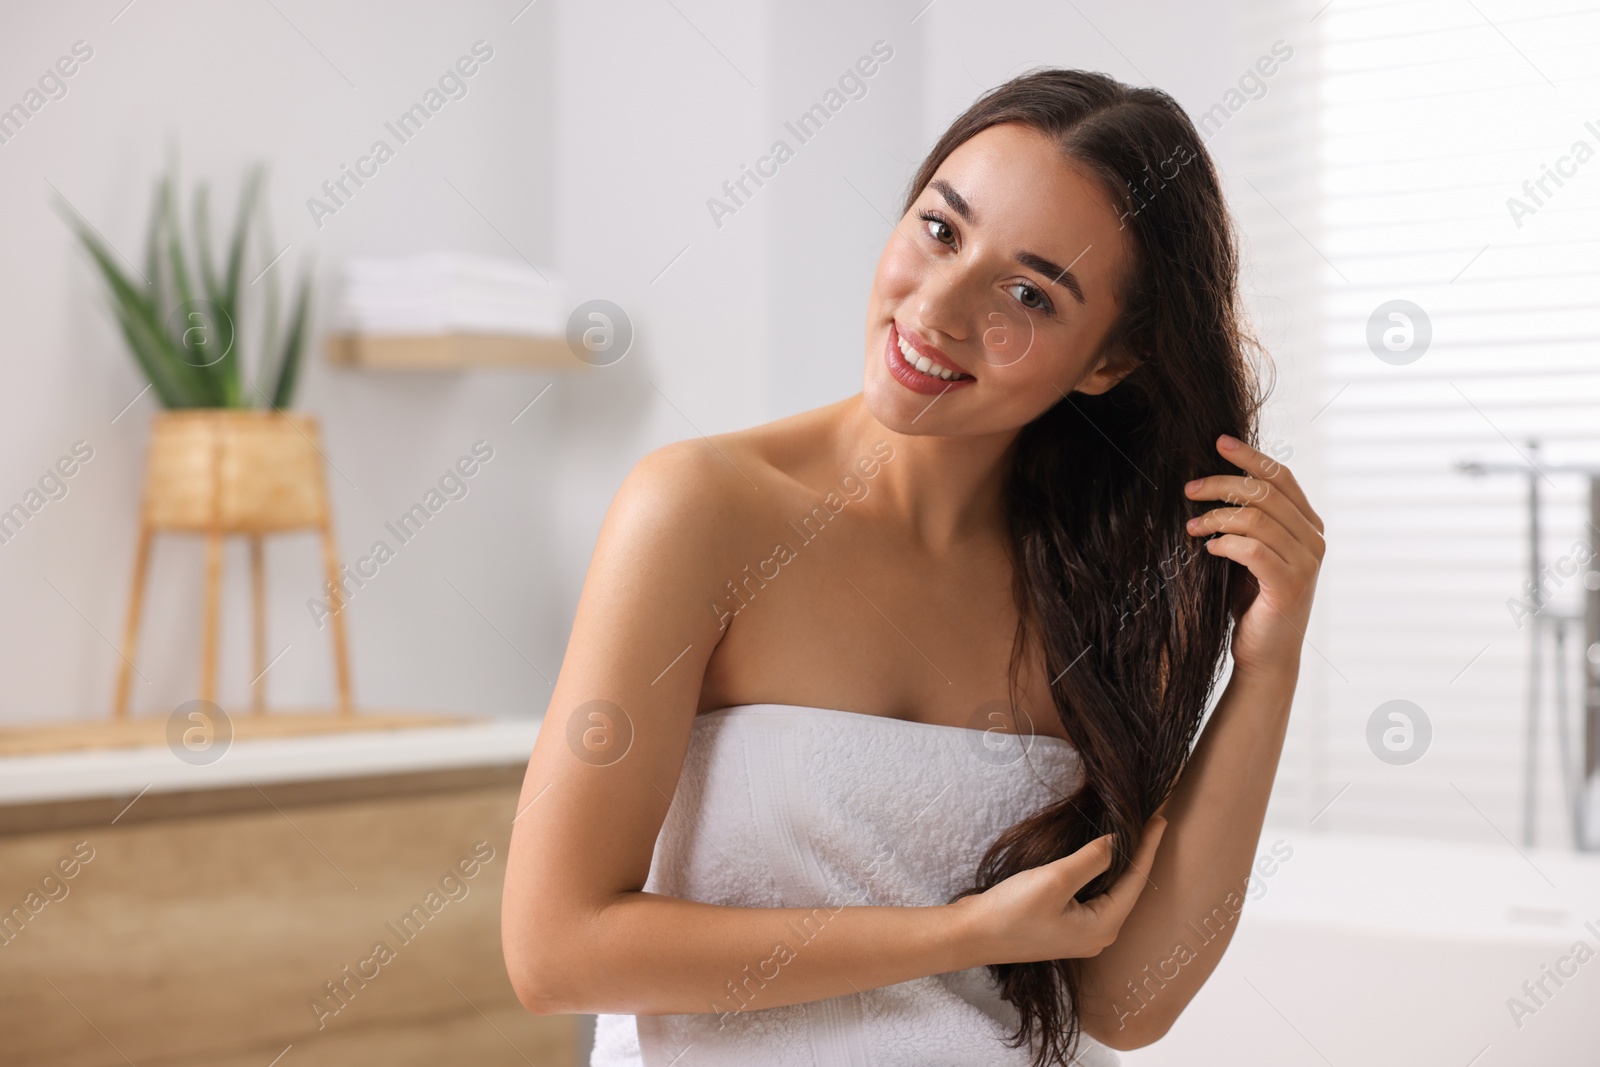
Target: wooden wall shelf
(455,351)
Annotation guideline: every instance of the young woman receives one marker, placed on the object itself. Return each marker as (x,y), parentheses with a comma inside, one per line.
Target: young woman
(867,714)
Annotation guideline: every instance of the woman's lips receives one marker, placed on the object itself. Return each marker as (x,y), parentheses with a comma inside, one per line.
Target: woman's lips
(911,377)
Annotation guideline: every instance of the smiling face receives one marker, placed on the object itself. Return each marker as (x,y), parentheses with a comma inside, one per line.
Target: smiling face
(995,292)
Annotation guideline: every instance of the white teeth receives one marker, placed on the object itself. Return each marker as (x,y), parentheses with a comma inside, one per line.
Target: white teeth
(923,363)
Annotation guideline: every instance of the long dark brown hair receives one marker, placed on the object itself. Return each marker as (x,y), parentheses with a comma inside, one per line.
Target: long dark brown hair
(1133,616)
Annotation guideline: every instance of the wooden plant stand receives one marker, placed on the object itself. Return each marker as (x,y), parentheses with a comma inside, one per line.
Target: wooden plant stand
(221,472)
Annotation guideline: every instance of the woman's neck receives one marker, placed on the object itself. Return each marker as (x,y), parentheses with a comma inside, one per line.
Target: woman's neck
(942,490)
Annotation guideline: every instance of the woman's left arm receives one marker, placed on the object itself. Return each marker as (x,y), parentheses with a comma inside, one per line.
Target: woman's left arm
(1176,933)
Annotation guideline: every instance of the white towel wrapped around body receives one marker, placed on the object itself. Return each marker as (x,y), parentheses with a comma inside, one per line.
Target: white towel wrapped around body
(787,807)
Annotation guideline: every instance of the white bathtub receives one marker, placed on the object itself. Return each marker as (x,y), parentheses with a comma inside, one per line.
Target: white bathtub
(1370,952)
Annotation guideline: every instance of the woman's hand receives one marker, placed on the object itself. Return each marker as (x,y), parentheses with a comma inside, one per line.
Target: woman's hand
(1034,914)
(1272,531)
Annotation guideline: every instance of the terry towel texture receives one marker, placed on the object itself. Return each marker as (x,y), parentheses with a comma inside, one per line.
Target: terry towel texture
(782,806)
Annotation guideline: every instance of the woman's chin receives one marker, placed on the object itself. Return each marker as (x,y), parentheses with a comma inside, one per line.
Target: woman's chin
(897,408)
(878,393)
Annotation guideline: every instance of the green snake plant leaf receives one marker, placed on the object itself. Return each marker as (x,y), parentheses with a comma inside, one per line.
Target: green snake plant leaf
(197,331)
(150,350)
(152,244)
(202,240)
(241,229)
(271,320)
(142,327)
(293,345)
(229,297)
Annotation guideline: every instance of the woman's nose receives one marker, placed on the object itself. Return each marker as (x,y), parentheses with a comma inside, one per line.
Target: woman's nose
(948,303)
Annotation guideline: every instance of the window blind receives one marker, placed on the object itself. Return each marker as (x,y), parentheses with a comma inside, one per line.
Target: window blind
(1447,154)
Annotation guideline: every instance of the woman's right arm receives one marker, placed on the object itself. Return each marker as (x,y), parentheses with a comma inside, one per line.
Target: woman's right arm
(578,933)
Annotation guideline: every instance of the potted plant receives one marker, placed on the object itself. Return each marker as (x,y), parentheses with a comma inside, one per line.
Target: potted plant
(225,457)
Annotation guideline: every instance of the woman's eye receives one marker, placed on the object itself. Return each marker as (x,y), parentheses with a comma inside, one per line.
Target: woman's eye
(939,230)
(1029,296)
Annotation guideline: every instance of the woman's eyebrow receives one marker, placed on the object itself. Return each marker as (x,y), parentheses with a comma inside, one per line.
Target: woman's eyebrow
(1060,275)
(957,202)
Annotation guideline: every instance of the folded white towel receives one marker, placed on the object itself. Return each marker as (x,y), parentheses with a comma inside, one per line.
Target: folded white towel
(783,806)
(449,292)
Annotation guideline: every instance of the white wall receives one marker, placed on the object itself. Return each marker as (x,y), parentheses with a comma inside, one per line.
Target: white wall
(591,143)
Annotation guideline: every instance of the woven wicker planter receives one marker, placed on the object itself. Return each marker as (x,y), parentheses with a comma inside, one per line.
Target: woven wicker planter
(236,471)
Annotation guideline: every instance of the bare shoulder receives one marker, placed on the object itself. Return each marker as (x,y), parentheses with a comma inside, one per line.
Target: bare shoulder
(689,496)
(684,521)
(705,492)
